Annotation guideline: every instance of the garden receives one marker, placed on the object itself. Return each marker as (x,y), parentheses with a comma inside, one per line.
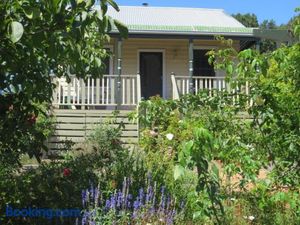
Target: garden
(222,158)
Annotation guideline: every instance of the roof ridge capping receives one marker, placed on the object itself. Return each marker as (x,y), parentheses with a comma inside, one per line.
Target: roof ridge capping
(171,7)
(191,28)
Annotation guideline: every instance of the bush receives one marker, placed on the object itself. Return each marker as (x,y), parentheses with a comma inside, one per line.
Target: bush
(58,184)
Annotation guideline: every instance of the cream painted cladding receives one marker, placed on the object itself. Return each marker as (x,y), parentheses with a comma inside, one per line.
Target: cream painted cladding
(176,59)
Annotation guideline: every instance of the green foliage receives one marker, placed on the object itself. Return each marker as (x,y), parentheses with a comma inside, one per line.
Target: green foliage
(155,112)
(230,142)
(37,39)
(248,20)
(58,184)
(268,45)
(32,130)
(267,205)
(47,187)
(105,145)
(274,79)
(296,24)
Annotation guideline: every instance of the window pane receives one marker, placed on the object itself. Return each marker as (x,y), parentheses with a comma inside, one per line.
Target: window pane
(201,65)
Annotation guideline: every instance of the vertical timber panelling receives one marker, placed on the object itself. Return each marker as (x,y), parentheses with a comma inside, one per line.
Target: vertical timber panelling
(76,125)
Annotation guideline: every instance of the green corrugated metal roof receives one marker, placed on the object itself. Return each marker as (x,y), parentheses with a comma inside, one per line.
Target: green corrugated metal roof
(190,29)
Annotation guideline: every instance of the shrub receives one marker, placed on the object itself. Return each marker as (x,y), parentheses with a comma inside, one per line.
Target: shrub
(58,184)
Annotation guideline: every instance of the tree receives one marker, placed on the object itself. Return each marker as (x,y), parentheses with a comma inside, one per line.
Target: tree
(275,92)
(38,38)
(268,45)
(248,20)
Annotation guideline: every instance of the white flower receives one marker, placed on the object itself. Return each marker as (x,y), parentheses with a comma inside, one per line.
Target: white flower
(251,218)
(170,136)
(232,199)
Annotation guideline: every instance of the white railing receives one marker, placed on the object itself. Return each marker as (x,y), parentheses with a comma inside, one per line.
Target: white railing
(97,92)
(181,85)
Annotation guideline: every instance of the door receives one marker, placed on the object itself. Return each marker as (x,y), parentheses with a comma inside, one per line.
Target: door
(151,71)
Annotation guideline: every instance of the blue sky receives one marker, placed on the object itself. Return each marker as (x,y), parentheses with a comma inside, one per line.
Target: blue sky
(279,10)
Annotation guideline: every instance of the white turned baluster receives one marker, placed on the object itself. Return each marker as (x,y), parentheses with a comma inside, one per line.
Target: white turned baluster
(97,91)
(93,91)
(107,89)
(133,91)
(102,91)
(123,91)
(196,85)
(88,91)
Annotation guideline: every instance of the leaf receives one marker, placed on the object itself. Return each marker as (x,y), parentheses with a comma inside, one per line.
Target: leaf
(121,28)
(110,23)
(197,215)
(178,171)
(98,62)
(90,3)
(114,4)
(16,31)
(83,15)
(31,13)
(215,170)
(187,147)
(230,69)
(57,5)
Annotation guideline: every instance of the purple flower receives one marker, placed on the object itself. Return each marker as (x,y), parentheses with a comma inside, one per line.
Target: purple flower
(107,205)
(170,218)
(112,202)
(136,204)
(128,201)
(149,195)
(92,192)
(84,197)
(119,199)
(85,218)
(163,188)
(141,195)
(145,205)
(168,202)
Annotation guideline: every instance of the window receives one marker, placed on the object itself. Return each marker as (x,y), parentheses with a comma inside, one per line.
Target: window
(201,65)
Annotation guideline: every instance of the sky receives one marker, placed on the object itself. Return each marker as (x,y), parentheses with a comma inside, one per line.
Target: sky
(279,10)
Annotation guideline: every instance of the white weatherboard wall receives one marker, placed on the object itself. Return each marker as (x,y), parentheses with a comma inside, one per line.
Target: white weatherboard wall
(176,56)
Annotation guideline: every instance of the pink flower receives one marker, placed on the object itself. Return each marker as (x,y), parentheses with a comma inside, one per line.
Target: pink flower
(66,172)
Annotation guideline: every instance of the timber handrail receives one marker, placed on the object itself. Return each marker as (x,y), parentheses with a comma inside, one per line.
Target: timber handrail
(180,85)
(96,91)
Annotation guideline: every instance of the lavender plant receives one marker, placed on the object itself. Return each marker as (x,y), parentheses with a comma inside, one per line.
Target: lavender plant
(150,204)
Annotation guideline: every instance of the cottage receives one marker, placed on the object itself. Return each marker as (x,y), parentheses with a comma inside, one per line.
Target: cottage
(164,55)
